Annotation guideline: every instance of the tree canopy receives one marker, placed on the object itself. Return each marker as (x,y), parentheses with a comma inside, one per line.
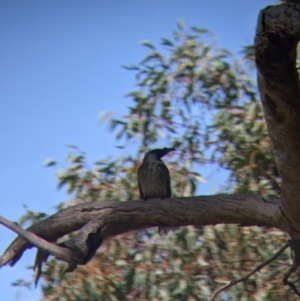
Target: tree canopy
(204,102)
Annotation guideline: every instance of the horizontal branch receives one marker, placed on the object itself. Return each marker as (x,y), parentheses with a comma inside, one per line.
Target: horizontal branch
(99,220)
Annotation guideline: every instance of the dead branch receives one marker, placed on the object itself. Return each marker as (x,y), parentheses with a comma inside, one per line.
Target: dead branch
(58,252)
(257,269)
(98,220)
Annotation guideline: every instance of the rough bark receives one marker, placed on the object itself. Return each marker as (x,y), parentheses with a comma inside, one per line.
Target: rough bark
(99,220)
(278,32)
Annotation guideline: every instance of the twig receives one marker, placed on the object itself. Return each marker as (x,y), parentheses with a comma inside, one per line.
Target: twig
(259,267)
(289,283)
(59,252)
(292,269)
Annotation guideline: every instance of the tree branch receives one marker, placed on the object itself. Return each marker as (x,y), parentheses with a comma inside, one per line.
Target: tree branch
(257,269)
(99,220)
(58,252)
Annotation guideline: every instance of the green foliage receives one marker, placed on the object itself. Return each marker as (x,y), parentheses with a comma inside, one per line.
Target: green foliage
(201,100)
(31,217)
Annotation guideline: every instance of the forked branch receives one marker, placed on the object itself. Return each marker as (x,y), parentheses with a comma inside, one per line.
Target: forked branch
(98,220)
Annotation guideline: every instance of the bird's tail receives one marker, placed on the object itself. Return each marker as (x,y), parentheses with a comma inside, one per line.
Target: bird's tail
(165,230)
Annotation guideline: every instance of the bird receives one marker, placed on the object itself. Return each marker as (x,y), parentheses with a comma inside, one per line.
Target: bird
(154,178)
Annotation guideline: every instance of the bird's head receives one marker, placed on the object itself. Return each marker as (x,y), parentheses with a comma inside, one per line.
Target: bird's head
(159,152)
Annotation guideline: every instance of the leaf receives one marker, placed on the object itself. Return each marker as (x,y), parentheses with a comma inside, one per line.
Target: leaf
(166,42)
(180,24)
(104,116)
(199,30)
(148,44)
(130,67)
(49,162)
(71,146)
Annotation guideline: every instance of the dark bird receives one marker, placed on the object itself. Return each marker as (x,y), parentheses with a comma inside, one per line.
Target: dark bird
(154,178)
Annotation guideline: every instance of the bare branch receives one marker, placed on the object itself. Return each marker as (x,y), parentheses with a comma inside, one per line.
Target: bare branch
(295,254)
(258,268)
(58,252)
(285,280)
(99,220)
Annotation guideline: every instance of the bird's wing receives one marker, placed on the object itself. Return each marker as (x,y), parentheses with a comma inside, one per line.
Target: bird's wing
(140,171)
(166,178)
(169,188)
(141,192)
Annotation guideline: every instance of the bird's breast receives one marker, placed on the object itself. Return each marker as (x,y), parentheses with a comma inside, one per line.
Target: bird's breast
(153,182)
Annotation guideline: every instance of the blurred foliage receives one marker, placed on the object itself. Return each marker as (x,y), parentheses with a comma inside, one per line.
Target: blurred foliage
(201,100)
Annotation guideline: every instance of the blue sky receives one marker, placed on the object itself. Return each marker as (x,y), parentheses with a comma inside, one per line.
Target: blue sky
(60,64)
